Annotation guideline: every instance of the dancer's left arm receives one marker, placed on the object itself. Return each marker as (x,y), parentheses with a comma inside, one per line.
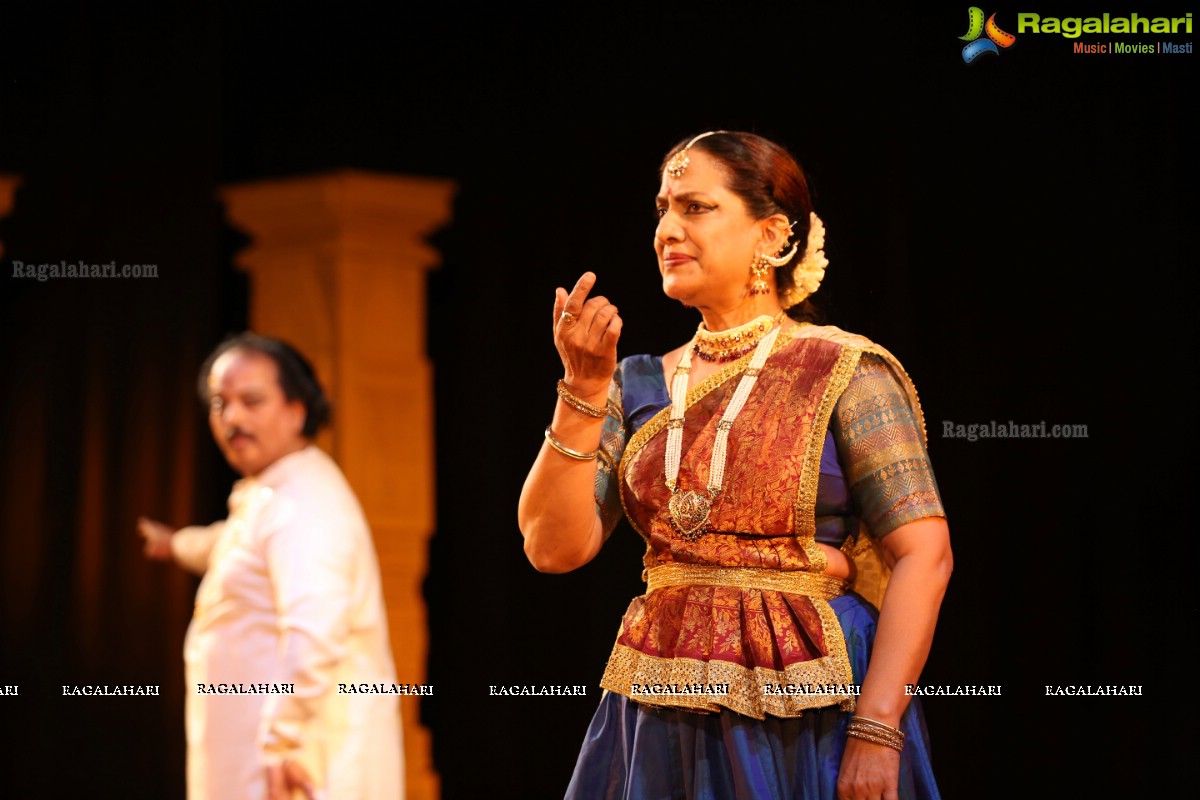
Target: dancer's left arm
(919,555)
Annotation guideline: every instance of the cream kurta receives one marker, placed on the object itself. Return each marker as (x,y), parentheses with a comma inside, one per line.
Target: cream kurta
(291,595)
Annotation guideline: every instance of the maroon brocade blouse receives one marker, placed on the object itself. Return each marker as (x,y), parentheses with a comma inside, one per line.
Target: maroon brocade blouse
(746,605)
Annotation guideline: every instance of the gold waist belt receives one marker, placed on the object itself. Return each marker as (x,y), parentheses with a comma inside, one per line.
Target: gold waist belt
(808,584)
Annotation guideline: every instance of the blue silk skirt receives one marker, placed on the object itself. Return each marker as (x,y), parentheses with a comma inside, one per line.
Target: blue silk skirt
(638,752)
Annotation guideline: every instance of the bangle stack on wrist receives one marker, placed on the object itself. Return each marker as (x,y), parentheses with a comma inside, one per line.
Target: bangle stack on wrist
(580,404)
(875,731)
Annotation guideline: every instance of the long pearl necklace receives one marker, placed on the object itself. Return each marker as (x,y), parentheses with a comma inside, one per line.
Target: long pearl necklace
(690,509)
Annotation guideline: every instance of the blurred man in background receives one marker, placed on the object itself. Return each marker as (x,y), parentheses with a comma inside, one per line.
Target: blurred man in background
(290,604)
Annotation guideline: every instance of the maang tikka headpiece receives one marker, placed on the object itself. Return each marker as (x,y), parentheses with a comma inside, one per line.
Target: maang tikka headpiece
(678,163)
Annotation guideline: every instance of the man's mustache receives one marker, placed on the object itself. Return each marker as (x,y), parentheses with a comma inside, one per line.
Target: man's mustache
(232,432)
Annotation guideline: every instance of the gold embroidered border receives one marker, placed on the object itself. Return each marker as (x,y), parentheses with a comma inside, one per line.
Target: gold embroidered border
(810,585)
(871,570)
(835,645)
(806,499)
(627,666)
(810,470)
(873,573)
(835,334)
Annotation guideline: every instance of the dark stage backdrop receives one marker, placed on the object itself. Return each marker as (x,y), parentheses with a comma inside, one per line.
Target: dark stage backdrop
(1017,230)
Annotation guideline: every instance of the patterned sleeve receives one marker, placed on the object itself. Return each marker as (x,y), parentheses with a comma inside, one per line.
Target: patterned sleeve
(612,446)
(879,444)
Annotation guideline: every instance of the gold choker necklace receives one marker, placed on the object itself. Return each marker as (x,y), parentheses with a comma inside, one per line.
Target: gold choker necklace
(734,343)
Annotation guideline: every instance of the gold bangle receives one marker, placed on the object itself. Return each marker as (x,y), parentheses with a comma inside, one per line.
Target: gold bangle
(872,730)
(869,731)
(580,404)
(567,451)
(884,729)
(866,737)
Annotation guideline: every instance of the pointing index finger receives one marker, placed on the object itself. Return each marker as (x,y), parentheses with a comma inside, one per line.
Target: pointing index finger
(584,285)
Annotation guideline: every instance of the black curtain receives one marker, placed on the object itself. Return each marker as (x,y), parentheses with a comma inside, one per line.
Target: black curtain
(1016,230)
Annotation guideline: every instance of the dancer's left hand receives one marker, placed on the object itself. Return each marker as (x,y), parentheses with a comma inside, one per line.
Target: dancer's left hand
(869,772)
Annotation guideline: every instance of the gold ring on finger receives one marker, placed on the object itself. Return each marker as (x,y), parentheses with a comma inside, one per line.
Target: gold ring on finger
(568,317)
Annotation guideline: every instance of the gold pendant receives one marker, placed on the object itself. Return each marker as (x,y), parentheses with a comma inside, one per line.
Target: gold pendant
(689,511)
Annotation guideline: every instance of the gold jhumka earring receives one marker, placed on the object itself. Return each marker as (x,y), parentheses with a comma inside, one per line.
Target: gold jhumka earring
(758,269)
(761,264)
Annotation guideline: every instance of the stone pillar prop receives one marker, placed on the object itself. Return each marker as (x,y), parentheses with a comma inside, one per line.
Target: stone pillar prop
(337,266)
(8,188)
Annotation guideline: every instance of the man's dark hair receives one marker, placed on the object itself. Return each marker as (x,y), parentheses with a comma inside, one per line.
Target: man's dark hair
(296,375)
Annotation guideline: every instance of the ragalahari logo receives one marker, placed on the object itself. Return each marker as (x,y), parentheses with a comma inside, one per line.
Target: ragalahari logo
(976,27)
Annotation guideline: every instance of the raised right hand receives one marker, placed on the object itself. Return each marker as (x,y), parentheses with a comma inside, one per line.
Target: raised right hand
(158,538)
(586,333)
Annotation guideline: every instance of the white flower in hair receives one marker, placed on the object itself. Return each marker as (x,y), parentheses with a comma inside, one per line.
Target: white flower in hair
(808,274)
